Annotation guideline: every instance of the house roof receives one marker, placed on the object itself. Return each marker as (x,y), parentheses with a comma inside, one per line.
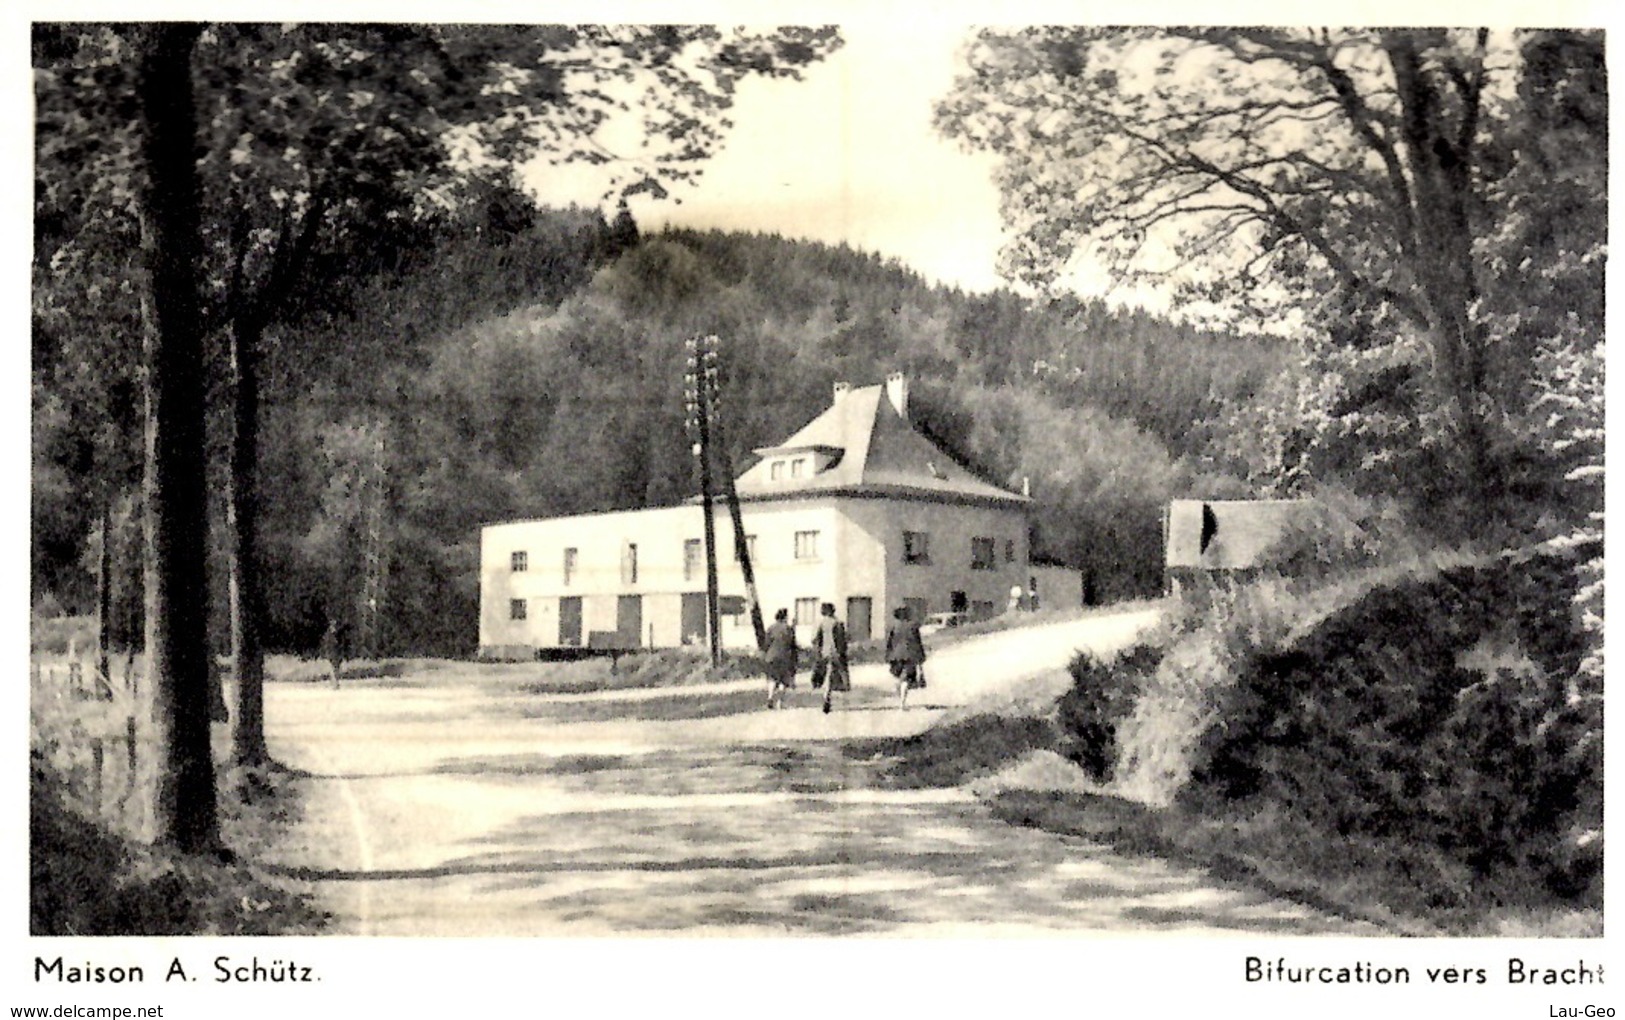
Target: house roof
(866,447)
(1233,534)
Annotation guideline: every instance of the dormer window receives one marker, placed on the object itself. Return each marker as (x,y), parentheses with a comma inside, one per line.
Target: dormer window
(783,464)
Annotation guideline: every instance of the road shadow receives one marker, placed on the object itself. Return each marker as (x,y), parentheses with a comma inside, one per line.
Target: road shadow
(760,768)
(797,841)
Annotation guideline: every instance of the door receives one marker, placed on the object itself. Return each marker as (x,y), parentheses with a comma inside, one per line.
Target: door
(629,618)
(693,622)
(570,620)
(859,622)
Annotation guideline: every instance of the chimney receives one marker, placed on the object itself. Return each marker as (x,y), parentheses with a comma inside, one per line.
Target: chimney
(840,391)
(897,393)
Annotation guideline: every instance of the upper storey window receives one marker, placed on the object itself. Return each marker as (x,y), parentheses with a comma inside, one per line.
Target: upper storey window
(916,547)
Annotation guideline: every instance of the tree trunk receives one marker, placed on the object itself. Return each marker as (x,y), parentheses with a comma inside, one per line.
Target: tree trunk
(1439,152)
(243,512)
(184,806)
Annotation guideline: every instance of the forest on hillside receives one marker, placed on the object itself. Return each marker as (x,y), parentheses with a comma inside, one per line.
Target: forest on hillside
(471,381)
(439,365)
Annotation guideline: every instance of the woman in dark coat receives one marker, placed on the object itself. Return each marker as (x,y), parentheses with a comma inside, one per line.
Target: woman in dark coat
(905,651)
(780,656)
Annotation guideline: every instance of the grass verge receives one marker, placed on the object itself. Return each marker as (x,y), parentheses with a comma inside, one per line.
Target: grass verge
(1389,883)
(87,880)
(1393,885)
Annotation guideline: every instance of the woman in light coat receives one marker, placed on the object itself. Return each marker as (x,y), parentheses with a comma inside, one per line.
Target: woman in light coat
(830,644)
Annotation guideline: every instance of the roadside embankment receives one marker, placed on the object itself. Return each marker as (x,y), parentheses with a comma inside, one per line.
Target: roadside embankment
(1420,749)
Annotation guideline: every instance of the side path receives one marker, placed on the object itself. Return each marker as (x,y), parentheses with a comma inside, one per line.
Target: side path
(447,808)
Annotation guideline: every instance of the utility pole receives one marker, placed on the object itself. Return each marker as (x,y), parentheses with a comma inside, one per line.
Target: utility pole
(699,393)
(741,544)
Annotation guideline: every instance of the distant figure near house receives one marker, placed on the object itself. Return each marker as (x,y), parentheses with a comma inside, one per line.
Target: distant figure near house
(780,656)
(218,711)
(332,649)
(905,651)
(829,642)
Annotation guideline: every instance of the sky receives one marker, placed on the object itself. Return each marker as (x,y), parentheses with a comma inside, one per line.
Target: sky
(846,154)
(849,154)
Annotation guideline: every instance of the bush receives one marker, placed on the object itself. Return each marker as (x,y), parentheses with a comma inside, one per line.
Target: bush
(1432,709)
(57,635)
(1206,638)
(1103,693)
(85,880)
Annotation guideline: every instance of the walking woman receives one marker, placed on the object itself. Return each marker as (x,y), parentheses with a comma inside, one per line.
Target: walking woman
(830,644)
(905,651)
(780,656)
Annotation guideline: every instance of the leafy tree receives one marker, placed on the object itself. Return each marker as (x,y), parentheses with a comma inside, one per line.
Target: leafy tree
(345,138)
(1099,484)
(86,336)
(1335,179)
(265,164)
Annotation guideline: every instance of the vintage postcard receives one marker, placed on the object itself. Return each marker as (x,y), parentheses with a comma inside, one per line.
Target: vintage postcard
(841,509)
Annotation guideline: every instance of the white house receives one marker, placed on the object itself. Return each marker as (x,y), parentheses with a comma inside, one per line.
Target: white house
(857,508)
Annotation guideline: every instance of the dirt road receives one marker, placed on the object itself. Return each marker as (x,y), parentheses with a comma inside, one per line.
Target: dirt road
(453,804)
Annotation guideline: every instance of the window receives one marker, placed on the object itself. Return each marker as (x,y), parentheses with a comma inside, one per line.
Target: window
(916,547)
(798,467)
(693,558)
(981,554)
(750,548)
(1009,550)
(806,612)
(516,609)
(569,565)
(629,564)
(776,472)
(519,560)
(806,545)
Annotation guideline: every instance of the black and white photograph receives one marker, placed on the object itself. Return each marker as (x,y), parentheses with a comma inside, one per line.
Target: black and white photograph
(832,508)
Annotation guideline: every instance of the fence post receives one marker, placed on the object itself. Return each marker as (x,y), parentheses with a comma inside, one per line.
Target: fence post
(98,752)
(130,752)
